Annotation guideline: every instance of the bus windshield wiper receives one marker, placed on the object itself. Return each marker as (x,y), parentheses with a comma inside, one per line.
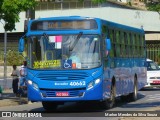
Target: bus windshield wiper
(76,41)
(79,36)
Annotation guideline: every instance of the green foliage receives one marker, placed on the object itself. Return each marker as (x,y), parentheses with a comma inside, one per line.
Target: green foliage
(99,1)
(14,58)
(129,3)
(96,1)
(153,5)
(10,9)
(158,59)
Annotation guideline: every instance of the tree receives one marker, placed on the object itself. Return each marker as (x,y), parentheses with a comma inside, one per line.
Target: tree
(10,9)
(153,5)
(99,1)
(14,58)
(96,1)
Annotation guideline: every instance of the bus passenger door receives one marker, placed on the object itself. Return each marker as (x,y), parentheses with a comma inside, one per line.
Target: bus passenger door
(106,66)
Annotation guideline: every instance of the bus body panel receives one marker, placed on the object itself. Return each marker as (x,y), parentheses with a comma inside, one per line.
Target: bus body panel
(124,85)
(93,94)
(47,84)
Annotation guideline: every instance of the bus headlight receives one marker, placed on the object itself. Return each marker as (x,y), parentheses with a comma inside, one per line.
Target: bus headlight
(29,82)
(97,81)
(33,84)
(93,83)
(90,85)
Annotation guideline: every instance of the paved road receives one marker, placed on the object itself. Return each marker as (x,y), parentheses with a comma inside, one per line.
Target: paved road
(148,100)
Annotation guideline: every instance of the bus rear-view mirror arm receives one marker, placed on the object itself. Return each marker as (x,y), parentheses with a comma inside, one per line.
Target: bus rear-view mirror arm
(21,45)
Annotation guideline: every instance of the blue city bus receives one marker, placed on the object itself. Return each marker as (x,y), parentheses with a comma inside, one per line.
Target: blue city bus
(75,58)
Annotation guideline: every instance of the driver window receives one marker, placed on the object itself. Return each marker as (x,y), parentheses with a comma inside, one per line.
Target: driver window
(36,49)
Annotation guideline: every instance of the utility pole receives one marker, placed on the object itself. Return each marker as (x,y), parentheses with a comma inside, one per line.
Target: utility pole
(30,14)
(5,58)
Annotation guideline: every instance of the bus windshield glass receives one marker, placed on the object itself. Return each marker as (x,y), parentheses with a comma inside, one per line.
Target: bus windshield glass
(64,51)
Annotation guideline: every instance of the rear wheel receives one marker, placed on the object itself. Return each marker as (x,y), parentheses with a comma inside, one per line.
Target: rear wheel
(49,106)
(109,103)
(134,95)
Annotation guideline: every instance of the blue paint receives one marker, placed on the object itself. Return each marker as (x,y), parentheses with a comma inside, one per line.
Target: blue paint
(76,81)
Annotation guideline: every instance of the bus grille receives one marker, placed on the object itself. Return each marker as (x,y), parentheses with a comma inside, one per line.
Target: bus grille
(52,93)
(62,76)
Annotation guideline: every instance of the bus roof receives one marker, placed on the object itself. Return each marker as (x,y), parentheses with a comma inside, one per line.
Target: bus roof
(65,17)
(124,27)
(107,22)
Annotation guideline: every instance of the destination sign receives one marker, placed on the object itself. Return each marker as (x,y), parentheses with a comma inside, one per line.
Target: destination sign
(63,24)
(47,64)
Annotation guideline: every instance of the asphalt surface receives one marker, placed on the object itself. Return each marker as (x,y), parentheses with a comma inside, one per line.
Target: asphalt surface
(148,100)
(8,98)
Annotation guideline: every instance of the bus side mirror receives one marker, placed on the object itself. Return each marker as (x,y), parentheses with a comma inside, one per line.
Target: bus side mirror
(21,45)
(108,44)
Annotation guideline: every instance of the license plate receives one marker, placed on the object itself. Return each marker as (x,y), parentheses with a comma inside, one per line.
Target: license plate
(62,94)
(156,81)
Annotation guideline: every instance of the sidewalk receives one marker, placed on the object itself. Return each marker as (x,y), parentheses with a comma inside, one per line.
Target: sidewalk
(9,99)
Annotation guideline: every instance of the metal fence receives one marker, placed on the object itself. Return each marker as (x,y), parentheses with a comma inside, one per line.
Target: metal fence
(153,51)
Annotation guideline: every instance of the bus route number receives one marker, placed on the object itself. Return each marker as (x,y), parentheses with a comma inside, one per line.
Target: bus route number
(78,83)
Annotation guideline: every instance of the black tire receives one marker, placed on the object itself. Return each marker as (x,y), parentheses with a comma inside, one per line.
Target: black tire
(49,106)
(109,103)
(124,98)
(133,96)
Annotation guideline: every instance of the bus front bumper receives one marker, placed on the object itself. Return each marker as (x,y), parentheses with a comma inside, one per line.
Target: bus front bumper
(67,95)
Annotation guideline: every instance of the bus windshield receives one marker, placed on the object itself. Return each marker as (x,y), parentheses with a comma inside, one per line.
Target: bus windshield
(64,51)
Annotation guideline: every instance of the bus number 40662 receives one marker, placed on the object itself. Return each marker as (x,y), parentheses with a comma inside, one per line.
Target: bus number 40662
(81,83)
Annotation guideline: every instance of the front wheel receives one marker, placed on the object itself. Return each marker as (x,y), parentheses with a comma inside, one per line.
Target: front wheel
(109,103)
(49,106)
